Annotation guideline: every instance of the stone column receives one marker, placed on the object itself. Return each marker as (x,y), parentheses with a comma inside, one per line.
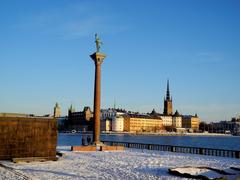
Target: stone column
(98,60)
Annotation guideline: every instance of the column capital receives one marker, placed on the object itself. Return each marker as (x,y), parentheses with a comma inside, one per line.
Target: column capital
(98,58)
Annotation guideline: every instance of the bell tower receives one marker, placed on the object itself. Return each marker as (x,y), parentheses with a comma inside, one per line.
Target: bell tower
(168,109)
(57,111)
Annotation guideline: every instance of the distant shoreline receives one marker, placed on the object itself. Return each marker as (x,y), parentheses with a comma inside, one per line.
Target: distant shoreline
(165,134)
(151,134)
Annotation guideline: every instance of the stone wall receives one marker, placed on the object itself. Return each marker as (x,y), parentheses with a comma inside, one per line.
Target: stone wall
(27,137)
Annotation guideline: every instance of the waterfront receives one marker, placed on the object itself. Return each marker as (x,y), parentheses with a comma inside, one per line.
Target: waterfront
(127,164)
(216,142)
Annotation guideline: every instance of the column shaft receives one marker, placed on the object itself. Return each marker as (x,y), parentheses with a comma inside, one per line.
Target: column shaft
(97,102)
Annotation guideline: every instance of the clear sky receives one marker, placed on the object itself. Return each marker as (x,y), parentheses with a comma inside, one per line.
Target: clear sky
(45,47)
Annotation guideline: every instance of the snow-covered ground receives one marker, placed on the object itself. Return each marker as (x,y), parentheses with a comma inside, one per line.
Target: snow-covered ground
(128,164)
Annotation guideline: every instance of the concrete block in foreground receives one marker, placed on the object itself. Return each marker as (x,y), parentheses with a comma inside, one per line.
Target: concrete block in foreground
(25,136)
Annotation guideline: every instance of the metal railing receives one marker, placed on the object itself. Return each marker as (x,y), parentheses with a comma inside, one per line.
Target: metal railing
(178,149)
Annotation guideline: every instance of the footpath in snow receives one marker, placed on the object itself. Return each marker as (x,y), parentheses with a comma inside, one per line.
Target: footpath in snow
(128,164)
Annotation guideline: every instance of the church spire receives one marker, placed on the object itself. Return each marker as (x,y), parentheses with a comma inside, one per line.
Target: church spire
(168,109)
(71,109)
(114,106)
(168,91)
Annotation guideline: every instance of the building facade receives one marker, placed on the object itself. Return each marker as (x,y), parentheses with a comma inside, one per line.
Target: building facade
(142,123)
(167,120)
(177,120)
(106,125)
(118,123)
(232,126)
(108,114)
(190,122)
(80,121)
(112,119)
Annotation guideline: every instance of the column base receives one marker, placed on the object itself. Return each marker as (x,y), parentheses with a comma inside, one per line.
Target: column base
(97,147)
(98,143)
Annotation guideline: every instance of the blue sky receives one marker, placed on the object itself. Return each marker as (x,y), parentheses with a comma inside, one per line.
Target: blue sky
(45,47)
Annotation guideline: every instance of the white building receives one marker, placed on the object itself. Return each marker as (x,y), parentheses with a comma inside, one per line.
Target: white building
(167,120)
(118,123)
(177,120)
(112,120)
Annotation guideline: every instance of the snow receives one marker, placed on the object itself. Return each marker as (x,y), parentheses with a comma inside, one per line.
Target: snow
(128,164)
(191,170)
(6,174)
(210,173)
(195,171)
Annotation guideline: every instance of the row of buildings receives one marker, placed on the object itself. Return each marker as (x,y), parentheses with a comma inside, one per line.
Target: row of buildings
(119,120)
(227,127)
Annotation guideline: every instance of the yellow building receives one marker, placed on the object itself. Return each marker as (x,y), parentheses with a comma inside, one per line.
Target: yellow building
(106,125)
(191,122)
(142,123)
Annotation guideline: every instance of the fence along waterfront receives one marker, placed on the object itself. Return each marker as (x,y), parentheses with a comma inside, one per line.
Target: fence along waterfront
(178,149)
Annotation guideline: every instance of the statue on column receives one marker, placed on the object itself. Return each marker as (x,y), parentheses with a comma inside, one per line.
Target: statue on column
(98,42)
